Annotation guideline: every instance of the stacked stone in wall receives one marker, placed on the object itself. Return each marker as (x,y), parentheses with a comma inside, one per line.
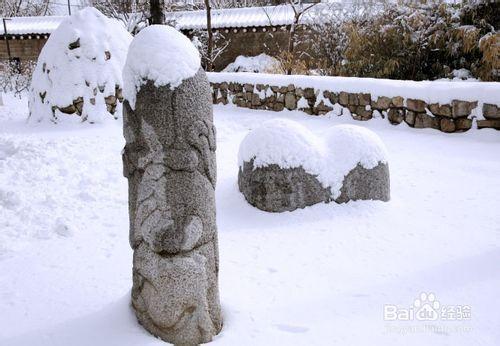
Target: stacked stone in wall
(449,117)
(491,114)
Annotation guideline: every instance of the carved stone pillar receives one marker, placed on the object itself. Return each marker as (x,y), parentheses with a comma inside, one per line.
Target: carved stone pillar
(169,160)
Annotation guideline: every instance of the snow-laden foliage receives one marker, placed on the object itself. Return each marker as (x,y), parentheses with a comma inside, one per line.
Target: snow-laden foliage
(330,157)
(414,41)
(132,13)
(200,41)
(161,54)
(18,8)
(79,70)
(261,63)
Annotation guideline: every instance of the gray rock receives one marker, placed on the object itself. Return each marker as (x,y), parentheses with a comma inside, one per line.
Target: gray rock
(462,108)
(423,120)
(290,101)
(441,110)
(415,105)
(463,124)
(410,118)
(169,160)
(274,189)
(396,115)
(491,111)
(397,101)
(447,125)
(364,99)
(361,113)
(353,99)
(366,184)
(343,98)
(382,103)
(484,124)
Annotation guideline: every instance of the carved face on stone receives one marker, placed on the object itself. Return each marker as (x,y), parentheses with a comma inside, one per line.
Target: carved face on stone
(170,154)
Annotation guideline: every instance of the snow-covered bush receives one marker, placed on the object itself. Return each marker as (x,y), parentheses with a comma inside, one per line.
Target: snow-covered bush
(262,63)
(416,41)
(79,70)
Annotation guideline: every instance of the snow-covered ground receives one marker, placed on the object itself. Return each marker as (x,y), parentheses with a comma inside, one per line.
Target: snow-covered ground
(316,276)
(261,63)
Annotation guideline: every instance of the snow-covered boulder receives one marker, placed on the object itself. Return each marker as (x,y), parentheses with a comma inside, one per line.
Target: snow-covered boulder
(79,70)
(283,166)
(356,164)
(261,63)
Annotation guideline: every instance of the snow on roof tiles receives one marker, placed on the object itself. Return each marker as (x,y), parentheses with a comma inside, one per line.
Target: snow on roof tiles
(183,20)
(233,17)
(31,25)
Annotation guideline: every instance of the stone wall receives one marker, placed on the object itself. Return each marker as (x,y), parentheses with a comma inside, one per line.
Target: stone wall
(455,116)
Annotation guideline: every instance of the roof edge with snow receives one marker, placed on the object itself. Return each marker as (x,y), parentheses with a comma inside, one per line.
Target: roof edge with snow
(185,20)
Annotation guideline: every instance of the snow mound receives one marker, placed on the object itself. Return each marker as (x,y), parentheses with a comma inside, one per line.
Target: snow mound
(262,63)
(460,75)
(346,146)
(161,54)
(79,68)
(280,141)
(290,145)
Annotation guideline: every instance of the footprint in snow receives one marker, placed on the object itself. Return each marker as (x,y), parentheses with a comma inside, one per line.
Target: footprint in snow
(291,329)
(7,148)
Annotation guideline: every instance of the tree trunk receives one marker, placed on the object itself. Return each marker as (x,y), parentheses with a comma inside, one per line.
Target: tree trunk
(156,9)
(210,42)
(291,43)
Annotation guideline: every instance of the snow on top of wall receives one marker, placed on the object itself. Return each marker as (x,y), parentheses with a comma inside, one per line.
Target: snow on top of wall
(161,54)
(32,25)
(289,144)
(261,63)
(429,91)
(83,58)
(244,17)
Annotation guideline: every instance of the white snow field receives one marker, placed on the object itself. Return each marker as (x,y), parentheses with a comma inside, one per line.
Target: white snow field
(317,276)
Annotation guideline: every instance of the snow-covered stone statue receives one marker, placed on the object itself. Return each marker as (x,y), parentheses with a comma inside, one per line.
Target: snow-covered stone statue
(79,70)
(169,160)
(283,166)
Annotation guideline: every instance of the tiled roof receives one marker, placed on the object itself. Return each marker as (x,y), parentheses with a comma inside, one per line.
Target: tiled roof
(184,20)
(31,25)
(238,17)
